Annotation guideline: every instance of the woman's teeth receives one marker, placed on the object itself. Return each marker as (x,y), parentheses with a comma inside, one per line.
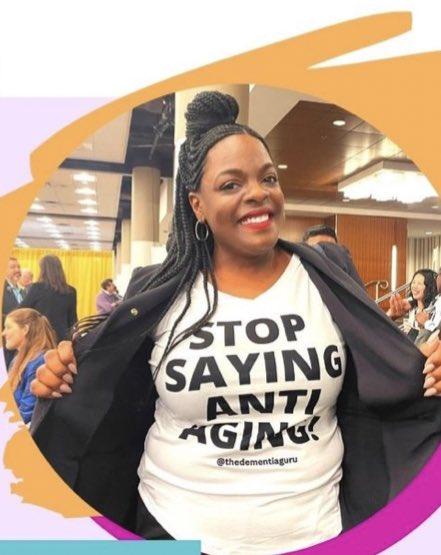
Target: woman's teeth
(256,219)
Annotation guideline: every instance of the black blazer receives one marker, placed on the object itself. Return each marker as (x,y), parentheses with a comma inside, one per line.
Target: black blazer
(95,440)
(59,308)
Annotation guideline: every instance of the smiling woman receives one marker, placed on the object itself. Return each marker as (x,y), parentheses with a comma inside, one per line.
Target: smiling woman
(280,407)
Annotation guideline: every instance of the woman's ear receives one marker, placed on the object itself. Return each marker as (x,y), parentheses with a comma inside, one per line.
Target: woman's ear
(196,205)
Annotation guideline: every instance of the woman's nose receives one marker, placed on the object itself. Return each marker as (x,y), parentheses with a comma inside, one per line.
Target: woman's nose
(255,191)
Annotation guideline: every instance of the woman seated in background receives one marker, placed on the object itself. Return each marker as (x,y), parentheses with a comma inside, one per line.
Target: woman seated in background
(417,309)
(53,297)
(30,334)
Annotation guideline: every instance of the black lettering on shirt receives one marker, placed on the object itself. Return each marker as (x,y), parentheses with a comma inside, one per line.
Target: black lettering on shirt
(292,323)
(333,364)
(213,376)
(243,368)
(310,370)
(272,332)
(217,406)
(248,400)
(291,398)
(228,437)
(172,373)
(205,335)
(229,336)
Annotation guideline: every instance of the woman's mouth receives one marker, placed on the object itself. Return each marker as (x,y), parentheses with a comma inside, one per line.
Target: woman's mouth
(256,222)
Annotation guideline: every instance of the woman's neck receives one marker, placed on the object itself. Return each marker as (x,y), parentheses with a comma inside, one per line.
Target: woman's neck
(249,277)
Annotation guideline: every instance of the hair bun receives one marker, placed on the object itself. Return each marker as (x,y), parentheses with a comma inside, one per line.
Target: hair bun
(209,109)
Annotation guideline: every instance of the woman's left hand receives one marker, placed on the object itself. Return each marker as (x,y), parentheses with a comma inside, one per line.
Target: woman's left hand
(432,368)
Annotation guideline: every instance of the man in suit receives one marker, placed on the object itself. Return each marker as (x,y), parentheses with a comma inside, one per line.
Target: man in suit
(13,294)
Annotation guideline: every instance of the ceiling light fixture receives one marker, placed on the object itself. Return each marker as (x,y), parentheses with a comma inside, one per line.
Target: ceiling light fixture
(282,166)
(89,210)
(339,122)
(87,202)
(84,177)
(389,180)
(44,219)
(37,206)
(85,191)
(429,232)
(91,222)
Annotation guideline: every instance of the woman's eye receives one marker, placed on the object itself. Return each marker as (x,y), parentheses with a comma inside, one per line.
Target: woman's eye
(271,179)
(230,186)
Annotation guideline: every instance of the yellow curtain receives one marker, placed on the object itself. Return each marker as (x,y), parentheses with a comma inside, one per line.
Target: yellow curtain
(85,270)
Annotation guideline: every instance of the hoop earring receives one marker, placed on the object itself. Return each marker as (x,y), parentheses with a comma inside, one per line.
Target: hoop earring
(201,227)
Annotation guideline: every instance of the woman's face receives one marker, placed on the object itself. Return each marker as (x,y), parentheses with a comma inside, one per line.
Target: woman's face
(14,334)
(417,287)
(240,197)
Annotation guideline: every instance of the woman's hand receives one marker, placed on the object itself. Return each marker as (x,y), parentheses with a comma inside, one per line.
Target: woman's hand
(432,368)
(398,307)
(54,377)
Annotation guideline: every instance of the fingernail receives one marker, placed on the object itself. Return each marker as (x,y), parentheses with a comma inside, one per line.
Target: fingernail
(430,392)
(429,381)
(65,388)
(428,368)
(67,378)
(56,394)
(72,368)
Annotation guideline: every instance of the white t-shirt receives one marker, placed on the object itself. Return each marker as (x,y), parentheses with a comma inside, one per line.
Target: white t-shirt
(245,452)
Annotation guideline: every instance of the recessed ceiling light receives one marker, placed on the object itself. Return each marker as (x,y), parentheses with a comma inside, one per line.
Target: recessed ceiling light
(84,177)
(429,232)
(56,235)
(346,200)
(87,202)
(339,122)
(44,219)
(85,191)
(91,222)
(89,210)
(37,206)
(282,166)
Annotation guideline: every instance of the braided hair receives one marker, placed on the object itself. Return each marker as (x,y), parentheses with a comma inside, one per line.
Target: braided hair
(211,117)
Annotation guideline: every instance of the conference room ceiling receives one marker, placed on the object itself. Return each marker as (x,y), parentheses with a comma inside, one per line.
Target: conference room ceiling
(317,153)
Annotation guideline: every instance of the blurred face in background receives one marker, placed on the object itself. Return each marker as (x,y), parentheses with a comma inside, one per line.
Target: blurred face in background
(13,272)
(26,277)
(418,287)
(14,334)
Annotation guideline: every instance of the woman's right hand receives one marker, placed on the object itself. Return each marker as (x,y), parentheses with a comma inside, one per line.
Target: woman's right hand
(55,376)
(398,307)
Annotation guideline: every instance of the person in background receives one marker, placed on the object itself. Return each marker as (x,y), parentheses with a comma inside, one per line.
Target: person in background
(319,234)
(418,308)
(13,294)
(52,296)
(27,279)
(29,334)
(108,297)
